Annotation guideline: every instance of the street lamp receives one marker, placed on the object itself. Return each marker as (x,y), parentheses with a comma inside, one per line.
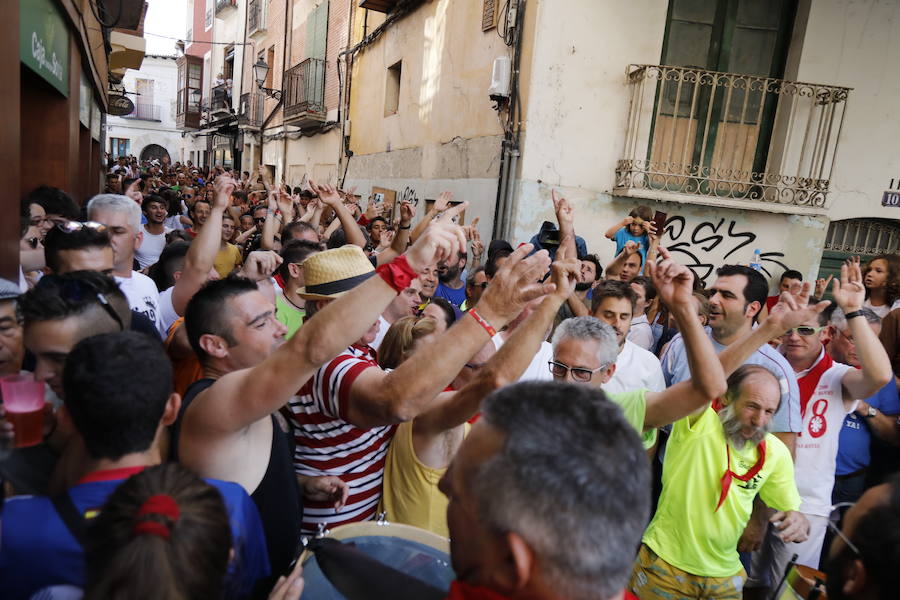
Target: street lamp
(196,97)
(260,74)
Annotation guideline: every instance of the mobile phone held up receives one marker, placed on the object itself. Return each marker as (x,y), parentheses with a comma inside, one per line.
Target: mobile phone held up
(659,221)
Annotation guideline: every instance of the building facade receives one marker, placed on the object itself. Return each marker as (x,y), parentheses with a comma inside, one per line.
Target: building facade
(60,58)
(150,131)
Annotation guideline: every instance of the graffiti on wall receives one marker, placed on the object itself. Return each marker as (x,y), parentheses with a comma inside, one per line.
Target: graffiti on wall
(710,244)
(409,195)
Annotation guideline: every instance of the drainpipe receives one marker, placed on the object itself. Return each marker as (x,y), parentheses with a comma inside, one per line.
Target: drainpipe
(288,38)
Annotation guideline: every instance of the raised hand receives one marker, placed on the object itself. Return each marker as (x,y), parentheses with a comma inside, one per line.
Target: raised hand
(443,201)
(849,292)
(516,283)
(630,247)
(565,271)
(477,244)
(327,194)
(224,186)
(674,282)
(261,264)
(407,213)
(374,209)
(286,205)
(443,239)
(793,308)
(562,208)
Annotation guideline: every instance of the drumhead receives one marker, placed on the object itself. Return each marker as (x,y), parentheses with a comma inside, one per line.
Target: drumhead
(416,552)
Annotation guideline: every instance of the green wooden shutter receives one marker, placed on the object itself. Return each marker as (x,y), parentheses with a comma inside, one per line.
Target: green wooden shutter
(317,31)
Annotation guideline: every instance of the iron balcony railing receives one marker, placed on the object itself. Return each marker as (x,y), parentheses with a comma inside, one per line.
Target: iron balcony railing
(304,90)
(726,135)
(254,16)
(221,97)
(251,109)
(147,112)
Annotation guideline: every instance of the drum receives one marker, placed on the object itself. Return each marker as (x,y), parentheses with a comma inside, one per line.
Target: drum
(416,552)
(802,583)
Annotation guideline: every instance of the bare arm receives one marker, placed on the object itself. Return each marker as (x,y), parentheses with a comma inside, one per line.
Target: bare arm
(615,266)
(242,239)
(674,283)
(202,253)
(578,308)
(611,232)
(565,217)
(330,197)
(401,239)
(508,364)
(378,398)
(440,205)
(267,241)
(876,371)
(240,398)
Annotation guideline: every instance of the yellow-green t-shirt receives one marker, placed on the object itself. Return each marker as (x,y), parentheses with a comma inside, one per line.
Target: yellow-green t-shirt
(288,315)
(634,406)
(687,531)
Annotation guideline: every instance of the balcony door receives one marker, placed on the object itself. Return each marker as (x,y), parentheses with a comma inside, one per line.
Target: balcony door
(714,119)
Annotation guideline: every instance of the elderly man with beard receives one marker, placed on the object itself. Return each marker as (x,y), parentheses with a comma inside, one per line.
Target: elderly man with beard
(714,467)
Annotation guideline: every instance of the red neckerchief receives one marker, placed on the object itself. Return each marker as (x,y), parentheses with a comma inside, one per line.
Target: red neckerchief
(750,474)
(464,591)
(110,474)
(810,380)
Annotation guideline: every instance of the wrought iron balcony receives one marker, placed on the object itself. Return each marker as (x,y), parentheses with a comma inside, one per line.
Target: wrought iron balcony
(221,97)
(256,22)
(304,93)
(251,109)
(145,112)
(707,134)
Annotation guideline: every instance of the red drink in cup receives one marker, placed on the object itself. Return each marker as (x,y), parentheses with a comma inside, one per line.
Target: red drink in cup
(23,400)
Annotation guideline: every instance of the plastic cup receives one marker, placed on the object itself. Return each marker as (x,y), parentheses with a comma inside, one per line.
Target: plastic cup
(23,400)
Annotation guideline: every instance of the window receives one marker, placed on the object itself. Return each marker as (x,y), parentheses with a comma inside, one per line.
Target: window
(392,89)
(270,60)
(119,147)
(210,6)
(489,15)
(317,32)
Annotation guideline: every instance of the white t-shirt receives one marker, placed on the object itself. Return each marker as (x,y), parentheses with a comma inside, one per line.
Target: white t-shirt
(142,295)
(641,333)
(383,326)
(151,247)
(167,314)
(817,444)
(538,369)
(883,310)
(636,369)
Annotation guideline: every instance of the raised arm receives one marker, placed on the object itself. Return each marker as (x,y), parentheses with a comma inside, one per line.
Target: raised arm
(849,293)
(267,241)
(508,364)
(329,196)
(615,266)
(674,284)
(565,217)
(401,239)
(439,206)
(378,398)
(202,253)
(242,397)
(611,232)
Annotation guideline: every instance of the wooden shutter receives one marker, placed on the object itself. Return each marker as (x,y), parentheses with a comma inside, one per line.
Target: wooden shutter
(489,15)
(317,31)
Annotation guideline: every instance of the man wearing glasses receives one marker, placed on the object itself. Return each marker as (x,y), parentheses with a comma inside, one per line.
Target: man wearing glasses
(828,393)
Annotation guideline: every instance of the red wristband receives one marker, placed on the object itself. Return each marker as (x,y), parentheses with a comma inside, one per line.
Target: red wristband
(397,273)
(483,322)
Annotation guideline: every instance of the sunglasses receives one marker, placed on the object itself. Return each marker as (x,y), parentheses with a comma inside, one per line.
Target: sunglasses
(73,226)
(33,242)
(803,330)
(78,291)
(560,370)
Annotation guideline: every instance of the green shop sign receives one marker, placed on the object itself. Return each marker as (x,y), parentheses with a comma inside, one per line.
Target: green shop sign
(44,42)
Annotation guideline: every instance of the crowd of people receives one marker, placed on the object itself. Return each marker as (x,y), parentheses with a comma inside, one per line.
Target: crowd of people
(232,365)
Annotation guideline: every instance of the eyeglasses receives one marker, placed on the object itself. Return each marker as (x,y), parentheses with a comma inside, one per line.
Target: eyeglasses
(79,290)
(849,338)
(803,330)
(837,531)
(73,226)
(560,370)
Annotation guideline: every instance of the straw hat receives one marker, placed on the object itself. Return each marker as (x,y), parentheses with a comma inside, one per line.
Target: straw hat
(332,273)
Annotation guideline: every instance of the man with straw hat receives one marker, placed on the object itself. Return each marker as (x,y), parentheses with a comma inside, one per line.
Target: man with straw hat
(227,428)
(345,416)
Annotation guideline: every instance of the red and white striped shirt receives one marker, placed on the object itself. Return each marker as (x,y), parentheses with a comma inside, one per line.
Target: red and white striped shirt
(327,444)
